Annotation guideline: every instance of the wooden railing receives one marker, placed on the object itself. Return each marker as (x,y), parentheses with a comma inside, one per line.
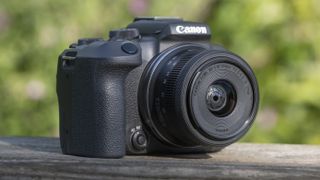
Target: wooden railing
(41,158)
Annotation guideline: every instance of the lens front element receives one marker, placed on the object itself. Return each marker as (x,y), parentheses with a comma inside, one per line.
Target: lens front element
(221,98)
(216,98)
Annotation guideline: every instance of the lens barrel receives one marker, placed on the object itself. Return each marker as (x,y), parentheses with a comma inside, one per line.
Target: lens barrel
(191,96)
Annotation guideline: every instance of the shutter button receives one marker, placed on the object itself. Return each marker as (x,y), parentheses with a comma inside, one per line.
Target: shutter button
(129,48)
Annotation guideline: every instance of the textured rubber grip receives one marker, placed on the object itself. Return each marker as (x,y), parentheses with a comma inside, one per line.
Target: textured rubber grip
(98,110)
(90,88)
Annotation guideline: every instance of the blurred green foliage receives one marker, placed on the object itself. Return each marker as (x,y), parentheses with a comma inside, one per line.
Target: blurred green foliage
(280,39)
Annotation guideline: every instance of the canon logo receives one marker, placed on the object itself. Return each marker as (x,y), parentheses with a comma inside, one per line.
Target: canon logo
(191,29)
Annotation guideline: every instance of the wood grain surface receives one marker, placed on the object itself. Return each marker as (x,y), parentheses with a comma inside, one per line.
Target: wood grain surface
(41,158)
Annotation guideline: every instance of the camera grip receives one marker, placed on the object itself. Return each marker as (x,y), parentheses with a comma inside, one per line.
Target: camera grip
(98,112)
(90,88)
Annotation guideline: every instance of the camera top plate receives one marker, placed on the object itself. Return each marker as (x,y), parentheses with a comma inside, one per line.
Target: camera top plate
(171,28)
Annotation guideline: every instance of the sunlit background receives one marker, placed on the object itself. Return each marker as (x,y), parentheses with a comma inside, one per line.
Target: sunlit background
(280,39)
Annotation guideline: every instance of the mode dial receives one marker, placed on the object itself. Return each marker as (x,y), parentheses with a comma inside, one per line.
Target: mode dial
(127,34)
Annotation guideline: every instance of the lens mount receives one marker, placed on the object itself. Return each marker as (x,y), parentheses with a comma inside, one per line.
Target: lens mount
(191,96)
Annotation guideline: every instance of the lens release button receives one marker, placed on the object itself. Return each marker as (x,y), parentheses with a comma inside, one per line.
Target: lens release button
(139,140)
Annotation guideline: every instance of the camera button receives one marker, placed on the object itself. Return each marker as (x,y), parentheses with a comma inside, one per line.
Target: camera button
(129,48)
(139,140)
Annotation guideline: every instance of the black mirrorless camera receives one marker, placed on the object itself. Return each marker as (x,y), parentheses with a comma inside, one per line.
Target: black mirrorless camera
(157,86)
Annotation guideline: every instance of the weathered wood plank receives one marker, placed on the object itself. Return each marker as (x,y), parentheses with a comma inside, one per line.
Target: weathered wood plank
(35,158)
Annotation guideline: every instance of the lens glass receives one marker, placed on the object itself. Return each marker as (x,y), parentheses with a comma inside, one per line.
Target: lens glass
(216,98)
(221,98)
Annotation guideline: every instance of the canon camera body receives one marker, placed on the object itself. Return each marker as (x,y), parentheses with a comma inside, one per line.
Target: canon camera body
(157,86)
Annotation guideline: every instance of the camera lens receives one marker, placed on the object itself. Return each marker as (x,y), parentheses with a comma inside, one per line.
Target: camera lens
(191,96)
